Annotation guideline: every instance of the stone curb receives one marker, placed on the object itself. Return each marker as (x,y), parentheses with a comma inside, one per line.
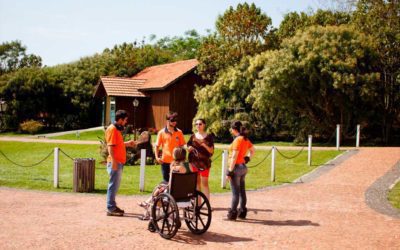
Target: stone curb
(376,195)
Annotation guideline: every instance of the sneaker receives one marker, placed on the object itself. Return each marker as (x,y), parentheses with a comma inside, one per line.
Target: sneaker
(242,213)
(232,215)
(119,210)
(115,212)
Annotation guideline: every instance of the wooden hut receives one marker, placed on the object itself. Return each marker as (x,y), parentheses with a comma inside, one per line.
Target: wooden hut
(157,90)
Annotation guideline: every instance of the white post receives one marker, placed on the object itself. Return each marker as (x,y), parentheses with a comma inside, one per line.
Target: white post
(309,149)
(273,164)
(358,136)
(142,167)
(56,167)
(224,168)
(337,136)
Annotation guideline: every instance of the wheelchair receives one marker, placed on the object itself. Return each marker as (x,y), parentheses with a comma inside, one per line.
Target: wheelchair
(181,195)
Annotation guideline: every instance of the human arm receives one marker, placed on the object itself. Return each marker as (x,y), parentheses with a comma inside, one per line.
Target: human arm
(114,163)
(208,148)
(158,159)
(157,148)
(232,160)
(190,144)
(130,143)
(250,154)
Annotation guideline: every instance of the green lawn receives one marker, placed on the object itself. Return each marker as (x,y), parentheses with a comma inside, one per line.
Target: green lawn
(394,196)
(41,177)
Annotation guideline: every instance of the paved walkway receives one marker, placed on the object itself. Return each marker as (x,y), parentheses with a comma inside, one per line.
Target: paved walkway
(328,212)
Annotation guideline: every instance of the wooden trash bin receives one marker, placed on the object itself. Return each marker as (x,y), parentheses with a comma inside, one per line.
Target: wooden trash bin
(84,172)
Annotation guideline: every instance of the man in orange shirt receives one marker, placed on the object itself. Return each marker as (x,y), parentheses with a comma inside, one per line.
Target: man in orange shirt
(168,138)
(116,159)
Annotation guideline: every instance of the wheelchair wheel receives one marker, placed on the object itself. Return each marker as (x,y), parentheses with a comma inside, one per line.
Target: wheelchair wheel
(151,227)
(198,216)
(164,215)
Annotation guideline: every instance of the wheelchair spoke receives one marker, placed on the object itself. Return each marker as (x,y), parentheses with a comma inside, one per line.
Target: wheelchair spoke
(163,225)
(202,222)
(202,204)
(164,206)
(168,214)
(205,214)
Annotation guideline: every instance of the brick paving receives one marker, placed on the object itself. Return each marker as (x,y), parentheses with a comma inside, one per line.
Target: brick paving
(326,212)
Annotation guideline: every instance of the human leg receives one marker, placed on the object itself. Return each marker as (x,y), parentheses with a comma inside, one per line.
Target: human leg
(113,186)
(204,187)
(243,198)
(234,182)
(165,169)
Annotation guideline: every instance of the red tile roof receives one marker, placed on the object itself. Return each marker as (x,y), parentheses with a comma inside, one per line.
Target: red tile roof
(161,76)
(119,86)
(151,78)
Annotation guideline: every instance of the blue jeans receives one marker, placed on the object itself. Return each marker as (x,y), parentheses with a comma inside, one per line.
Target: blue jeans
(165,169)
(113,184)
(238,187)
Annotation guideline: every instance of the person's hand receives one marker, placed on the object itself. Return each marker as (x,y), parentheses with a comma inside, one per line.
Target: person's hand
(190,149)
(114,165)
(158,159)
(229,174)
(130,143)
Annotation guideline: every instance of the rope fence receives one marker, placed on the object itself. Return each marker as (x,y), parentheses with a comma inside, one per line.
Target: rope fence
(224,162)
(25,166)
(290,157)
(266,156)
(62,151)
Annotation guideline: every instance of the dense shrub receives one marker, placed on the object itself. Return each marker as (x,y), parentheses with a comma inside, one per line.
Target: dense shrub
(31,126)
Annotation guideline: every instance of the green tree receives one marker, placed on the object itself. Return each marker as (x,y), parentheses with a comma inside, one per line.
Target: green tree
(321,77)
(13,56)
(32,93)
(381,20)
(239,32)
(293,21)
(181,48)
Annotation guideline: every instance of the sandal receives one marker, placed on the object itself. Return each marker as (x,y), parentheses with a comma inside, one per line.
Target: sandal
(143,204)
(145,217)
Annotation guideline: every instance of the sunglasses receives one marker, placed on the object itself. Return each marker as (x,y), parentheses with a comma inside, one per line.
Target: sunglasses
(172,120)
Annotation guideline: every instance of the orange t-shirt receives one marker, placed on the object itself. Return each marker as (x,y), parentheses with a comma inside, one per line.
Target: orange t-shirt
(242,146)
(168,142)
(114,138)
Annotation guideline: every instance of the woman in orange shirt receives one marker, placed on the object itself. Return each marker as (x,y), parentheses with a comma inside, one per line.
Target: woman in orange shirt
(241,150)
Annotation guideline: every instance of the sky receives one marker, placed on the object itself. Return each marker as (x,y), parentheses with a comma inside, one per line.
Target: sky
(63,31)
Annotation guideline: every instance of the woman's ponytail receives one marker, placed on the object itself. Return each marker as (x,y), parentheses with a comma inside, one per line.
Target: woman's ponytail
(237,125)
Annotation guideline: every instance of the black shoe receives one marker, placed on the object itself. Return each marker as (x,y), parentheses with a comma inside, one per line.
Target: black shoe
(243,213)
(119,210)
(232,215)
(151,227)
(114,213)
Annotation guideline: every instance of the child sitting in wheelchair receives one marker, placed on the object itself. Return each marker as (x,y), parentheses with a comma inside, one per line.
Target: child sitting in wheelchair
(178,165)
